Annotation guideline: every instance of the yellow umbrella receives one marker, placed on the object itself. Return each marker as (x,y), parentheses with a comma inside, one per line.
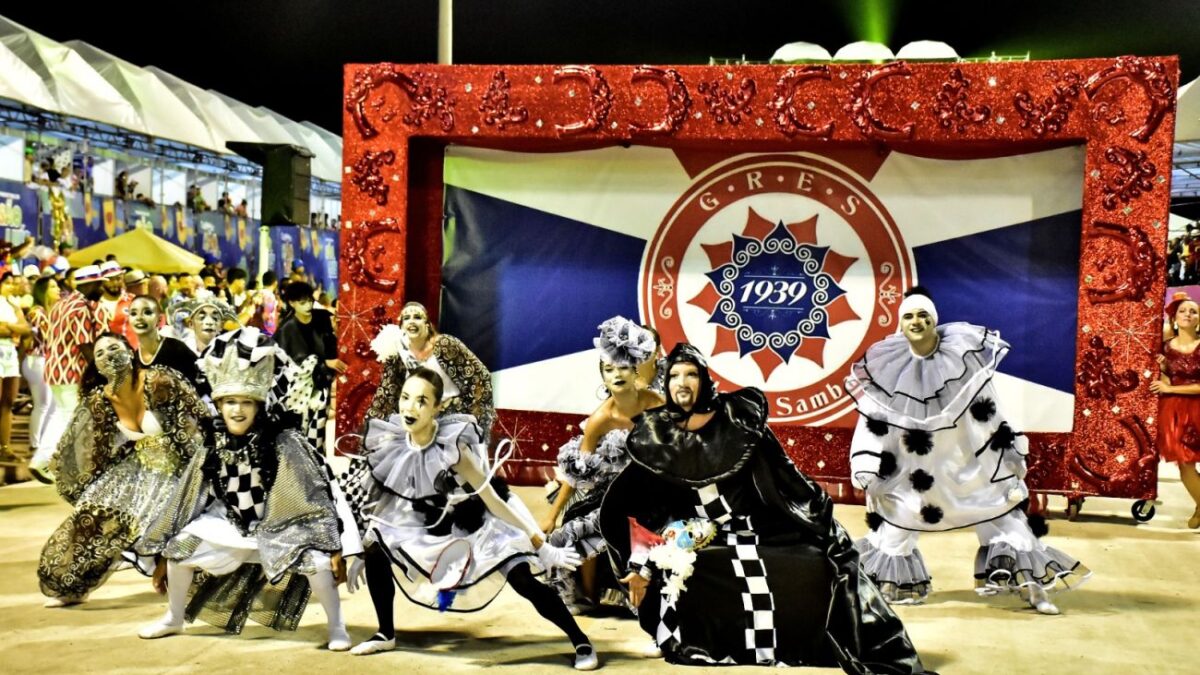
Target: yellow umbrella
(142,249)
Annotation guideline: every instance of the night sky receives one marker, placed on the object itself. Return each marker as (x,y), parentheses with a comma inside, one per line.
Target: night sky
(288,56)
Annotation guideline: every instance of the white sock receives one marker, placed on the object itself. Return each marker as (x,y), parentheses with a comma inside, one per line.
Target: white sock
(324,587)
(179,580)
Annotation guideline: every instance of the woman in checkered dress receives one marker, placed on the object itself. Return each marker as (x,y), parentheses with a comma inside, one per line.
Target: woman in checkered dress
(778,581)
(118,462)
(256,511)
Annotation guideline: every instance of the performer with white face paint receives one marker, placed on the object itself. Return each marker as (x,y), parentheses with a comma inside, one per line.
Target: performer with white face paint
(731,554)
(933,452)
(589,462)
(119,461)
(467,383)
(454,532)
(254,506)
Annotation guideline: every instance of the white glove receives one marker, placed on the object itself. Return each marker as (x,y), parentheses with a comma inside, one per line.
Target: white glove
(357,576)
(553,556)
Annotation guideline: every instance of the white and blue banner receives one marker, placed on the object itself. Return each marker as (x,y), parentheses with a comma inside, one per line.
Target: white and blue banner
(783,267)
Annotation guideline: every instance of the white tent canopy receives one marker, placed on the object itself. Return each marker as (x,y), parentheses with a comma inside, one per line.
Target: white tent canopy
(20,83)
(77,87)
(83,81)
(331,139)
(263,124)
(1187,113)
(224,124)
(163,114)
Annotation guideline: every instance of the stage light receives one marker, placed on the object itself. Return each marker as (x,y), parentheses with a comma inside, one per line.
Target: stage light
(800,52)
(927,50)
(864,51)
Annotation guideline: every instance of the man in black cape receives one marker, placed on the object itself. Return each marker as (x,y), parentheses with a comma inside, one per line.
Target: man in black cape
(780,582)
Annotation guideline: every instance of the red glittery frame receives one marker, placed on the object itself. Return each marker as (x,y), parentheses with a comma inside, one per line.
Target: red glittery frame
(399,118)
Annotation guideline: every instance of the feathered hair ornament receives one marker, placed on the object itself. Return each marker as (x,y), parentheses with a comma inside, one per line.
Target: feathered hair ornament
(623,342)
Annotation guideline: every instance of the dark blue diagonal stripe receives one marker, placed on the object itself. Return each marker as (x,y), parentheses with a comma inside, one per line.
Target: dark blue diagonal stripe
(521,285)
(1022,280)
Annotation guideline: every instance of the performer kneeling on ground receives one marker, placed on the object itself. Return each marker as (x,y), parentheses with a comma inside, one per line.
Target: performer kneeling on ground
(118,462)
(455,533)
(255,507)
(934,453)
(588,463)
(730,553)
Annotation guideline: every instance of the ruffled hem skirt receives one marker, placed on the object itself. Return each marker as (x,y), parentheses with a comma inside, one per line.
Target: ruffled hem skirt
(899,578)
(495,548)
(1001,567)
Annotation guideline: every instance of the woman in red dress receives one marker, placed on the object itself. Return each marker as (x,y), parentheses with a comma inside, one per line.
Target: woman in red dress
(1179,388)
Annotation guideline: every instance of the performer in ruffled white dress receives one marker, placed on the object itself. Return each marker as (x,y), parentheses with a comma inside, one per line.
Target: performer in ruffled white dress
(934,452)
(451,529)
(255,512)
(589,462)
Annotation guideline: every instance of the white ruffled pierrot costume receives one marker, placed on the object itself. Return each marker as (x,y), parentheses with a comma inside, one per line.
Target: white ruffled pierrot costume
(412,522)
(933,452)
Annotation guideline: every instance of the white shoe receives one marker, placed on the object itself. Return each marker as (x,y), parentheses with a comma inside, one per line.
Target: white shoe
(652,651)
(1040,600)
(586,658)
(374,645)
(160,629)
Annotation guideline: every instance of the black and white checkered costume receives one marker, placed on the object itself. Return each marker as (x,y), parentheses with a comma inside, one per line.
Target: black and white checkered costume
(770,588)
(757,600)
(243,493)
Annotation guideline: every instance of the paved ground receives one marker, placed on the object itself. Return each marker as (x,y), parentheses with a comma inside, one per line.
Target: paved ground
(1138,615)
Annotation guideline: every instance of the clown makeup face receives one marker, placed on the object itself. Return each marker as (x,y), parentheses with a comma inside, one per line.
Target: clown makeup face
(917,326)
(113,359)
(143,316)
(206,323)
(239,413)
(684,384)
(1187,316)
(418,408)
(415,324)
(618,378)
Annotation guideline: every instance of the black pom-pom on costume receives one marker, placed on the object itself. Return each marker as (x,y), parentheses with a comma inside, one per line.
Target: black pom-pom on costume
(921,481)
(1038,525)
(983,409)
(918,442)
(1004,437)
(874,520)
(877,427)
(931,514)
(887,465)
(468,515)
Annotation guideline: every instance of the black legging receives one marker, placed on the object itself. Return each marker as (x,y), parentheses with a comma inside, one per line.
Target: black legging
(542,597)
(546,601)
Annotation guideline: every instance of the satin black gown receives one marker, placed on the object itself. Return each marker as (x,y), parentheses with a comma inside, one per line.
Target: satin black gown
(780,583)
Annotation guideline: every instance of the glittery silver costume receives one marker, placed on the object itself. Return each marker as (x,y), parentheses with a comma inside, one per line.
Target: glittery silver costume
(117,480)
